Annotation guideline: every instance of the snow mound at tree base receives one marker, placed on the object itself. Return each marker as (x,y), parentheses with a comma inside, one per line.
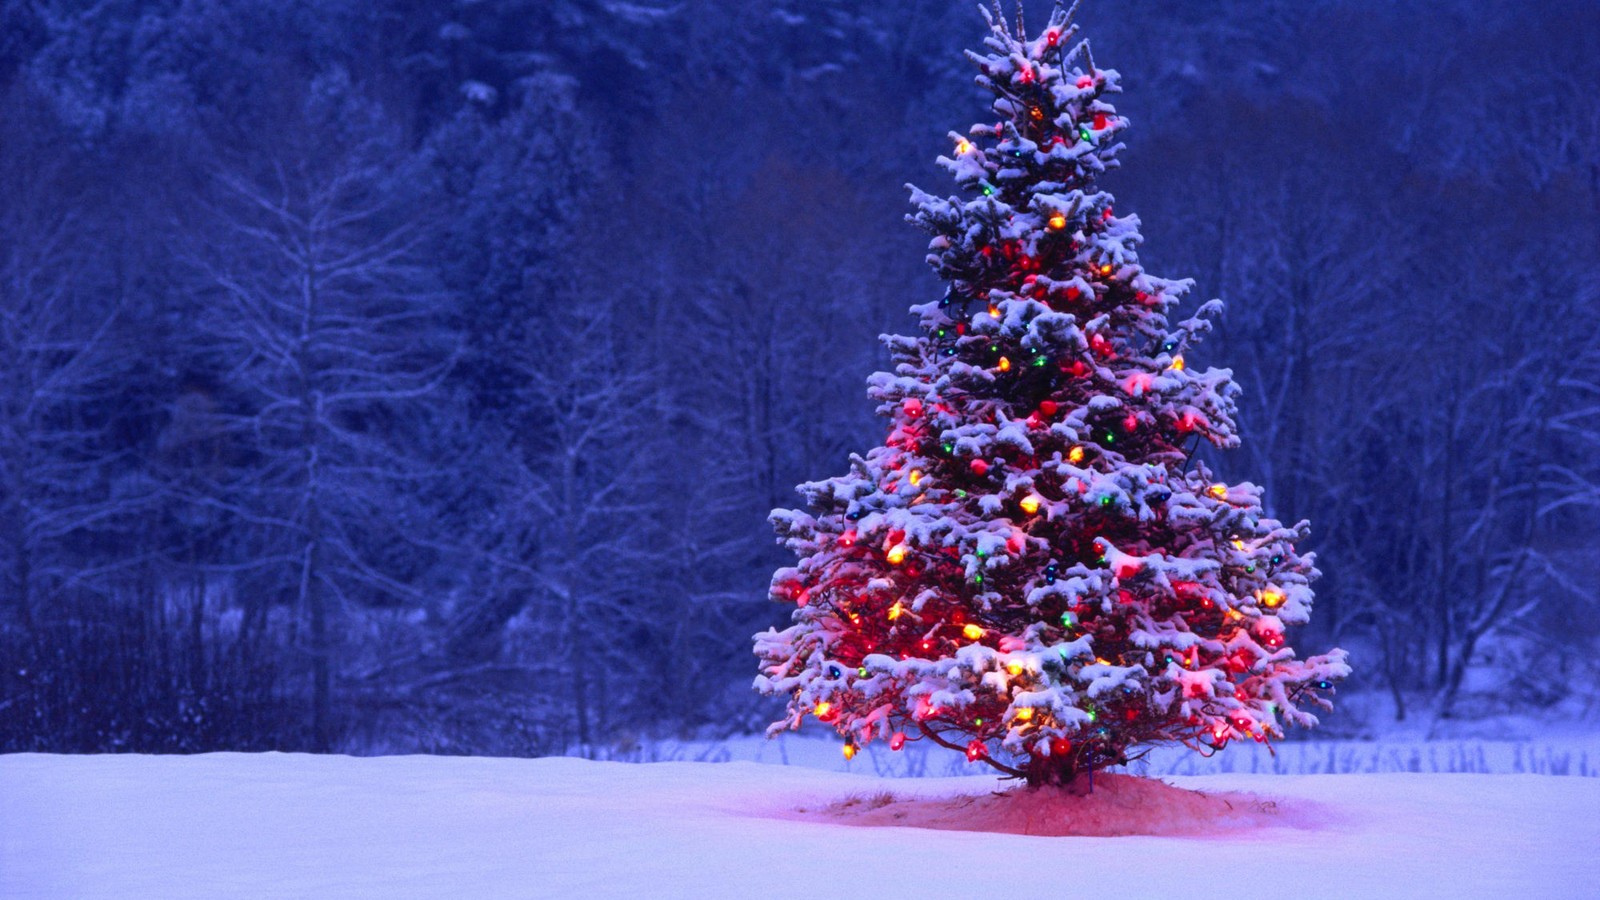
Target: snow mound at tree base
(1117,805)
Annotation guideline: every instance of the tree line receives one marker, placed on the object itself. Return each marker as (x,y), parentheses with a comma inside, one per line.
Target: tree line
(406,376)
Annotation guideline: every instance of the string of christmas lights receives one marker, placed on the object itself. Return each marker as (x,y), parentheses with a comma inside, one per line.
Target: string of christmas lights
(1031,570)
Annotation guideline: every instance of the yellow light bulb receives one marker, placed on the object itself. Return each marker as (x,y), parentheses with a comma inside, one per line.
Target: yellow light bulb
(916,477)
(1177,363)
(1005,364)
(1075,455)
(963,146)
(895,611)
(972,632)
(823,708)
(1014,667)
(1030,504)
(1270,598)
(994,311)
(1219,491)
(1025,714)
(1105,269)
(1058,221)
(849,751)
(897,554)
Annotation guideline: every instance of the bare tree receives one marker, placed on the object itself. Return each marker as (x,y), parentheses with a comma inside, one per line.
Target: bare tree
(62,356)
(328,330)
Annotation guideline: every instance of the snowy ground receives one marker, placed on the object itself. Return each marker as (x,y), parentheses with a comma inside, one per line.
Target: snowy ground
(272,825)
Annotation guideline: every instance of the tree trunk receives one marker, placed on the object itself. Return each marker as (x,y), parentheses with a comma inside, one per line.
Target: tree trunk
(1457,675)
(572,632)
(311,598)
(1443,537)
(311,590)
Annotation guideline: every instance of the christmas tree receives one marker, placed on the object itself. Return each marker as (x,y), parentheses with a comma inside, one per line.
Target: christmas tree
(1034,569)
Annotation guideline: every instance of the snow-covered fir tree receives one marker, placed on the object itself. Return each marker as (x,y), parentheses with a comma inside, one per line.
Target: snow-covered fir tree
(1033,569)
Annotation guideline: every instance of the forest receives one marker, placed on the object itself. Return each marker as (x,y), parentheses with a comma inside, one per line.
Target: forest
(418,377)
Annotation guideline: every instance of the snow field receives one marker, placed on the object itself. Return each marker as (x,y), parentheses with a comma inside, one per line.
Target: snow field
(277,825)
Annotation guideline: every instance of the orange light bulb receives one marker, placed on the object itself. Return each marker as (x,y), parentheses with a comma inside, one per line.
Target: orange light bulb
(1058,222)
